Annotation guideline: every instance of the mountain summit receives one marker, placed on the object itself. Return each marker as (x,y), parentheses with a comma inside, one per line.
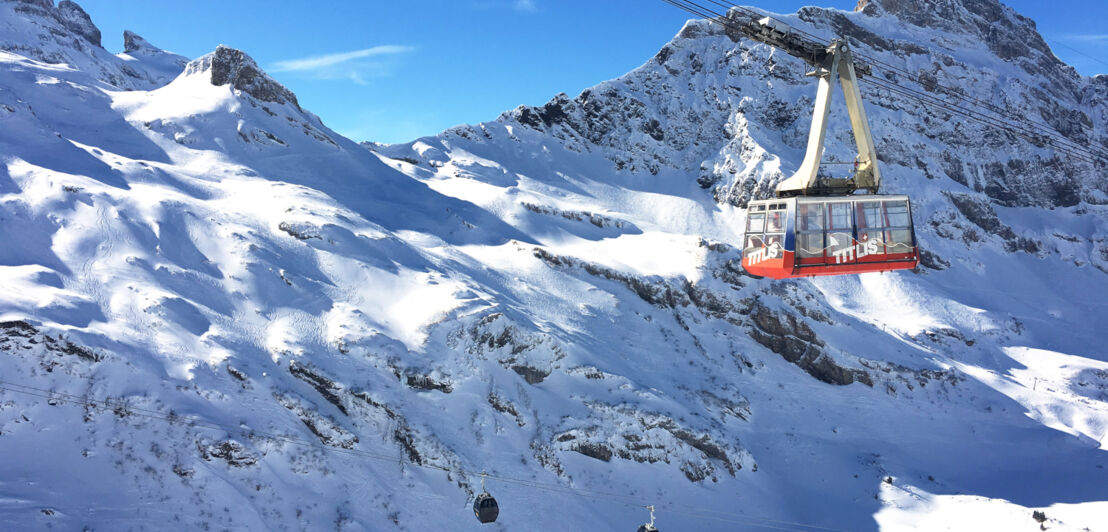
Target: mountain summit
(229,66)
(65,34)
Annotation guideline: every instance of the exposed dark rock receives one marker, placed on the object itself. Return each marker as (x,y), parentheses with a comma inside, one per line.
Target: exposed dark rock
(229,66)
(695,472)
(132,42)
(531,374)
(658,293)
(548,115)
(984,216)
(426,382)
(229,451)
(737,408)
(1002,29)
(798,344)
(773,323)
(29,334)
(300,232)
(654,129)
(702,443)
(18,328)
(663,55)
(183,471)
(406,438)
(598,220)
(237,374)
(326,429)
(76,20)
(932,260)
(598,451)
(70,348)
(328,388)
(505,407)
(532,356)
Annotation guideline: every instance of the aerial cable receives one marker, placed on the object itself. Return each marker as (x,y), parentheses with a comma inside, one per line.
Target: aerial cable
(934,85)
(910,75)
(123,409)
(1005,113)
(1075,50)
(967,113)
(1031,136)
(1052,138)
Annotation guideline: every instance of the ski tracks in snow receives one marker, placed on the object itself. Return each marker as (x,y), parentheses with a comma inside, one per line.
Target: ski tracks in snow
(1048,386)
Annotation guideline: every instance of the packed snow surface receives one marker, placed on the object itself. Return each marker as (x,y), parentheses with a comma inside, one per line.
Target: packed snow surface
(218,313)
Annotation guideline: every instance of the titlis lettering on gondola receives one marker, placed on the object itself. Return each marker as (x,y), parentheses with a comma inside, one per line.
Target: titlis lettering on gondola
(772,251)
(857,251)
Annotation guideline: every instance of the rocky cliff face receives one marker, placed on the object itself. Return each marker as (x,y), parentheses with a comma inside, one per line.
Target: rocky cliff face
(726,108)
(65,34)
(229,66)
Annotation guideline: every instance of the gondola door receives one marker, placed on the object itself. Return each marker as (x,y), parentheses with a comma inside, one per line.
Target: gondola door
(769,242)
(841,238)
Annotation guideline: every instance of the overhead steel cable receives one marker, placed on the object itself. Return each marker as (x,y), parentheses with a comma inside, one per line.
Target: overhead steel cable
(1055,136)
(1075,50)
(1051,137)
(1005,113)
(961,94)
(680,4)
(911,76)
(124,409)
(890,87)
(1030,136)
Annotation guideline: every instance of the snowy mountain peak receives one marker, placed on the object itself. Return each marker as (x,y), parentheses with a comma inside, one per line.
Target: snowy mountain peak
(132,42)
(229,66)
(65,34)
(76,20)
(161,66)
(1007,33)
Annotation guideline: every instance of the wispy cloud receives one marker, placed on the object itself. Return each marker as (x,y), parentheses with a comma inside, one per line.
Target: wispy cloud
(330,61)
(525,6)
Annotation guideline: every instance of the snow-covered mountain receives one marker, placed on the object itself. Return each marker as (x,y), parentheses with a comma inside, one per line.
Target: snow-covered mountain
(216,312)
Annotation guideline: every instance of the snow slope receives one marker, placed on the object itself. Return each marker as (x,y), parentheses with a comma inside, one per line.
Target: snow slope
(217,312)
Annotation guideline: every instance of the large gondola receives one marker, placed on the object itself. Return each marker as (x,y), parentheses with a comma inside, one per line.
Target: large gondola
(811,235)
(818,225)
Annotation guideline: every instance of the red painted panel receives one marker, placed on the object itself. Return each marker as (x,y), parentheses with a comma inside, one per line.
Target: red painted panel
(783,268)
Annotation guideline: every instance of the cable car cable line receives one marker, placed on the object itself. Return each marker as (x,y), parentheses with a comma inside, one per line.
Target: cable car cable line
(1007,113)
(913,77)
(1042,133)
(967,113)
(1075,50)
(123,409)
(1031,137)
(1052,136)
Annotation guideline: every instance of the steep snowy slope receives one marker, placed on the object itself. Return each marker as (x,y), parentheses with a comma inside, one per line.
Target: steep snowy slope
(217,312)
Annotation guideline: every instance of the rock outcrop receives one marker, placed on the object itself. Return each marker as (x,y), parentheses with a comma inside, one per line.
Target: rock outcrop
(228,66)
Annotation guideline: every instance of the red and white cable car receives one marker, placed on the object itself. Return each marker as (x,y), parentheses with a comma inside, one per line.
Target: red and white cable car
(808,235)
(817,225)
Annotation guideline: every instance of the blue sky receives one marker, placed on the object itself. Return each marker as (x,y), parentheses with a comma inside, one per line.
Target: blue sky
(395,71)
